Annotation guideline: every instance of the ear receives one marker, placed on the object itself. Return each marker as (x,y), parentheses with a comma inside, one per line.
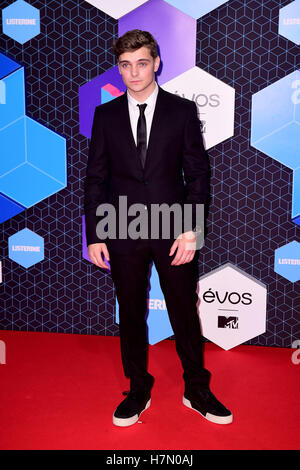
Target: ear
(156,63)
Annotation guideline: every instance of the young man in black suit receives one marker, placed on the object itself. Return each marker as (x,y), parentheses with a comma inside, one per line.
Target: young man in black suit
(147,146)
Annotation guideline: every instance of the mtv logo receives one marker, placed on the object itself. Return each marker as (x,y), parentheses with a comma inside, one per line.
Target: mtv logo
(232,307)
(228,322)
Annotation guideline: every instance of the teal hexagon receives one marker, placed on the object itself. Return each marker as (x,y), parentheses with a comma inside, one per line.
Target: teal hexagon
(37,163)
(33,158)
(289,22)
(21,21)
(287,261)
(275,125)
(196,8)
(26,248)
(12,105)
(296,197)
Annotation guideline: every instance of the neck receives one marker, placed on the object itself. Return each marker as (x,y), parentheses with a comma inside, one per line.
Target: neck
(142,95)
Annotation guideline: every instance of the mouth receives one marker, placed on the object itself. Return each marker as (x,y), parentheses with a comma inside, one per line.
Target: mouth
(135,81)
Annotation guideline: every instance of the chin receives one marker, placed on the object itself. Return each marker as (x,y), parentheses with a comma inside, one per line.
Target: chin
(136,88)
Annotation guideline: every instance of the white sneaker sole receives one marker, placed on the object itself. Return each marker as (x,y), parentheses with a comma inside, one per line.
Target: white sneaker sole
(123,422)
(213,418)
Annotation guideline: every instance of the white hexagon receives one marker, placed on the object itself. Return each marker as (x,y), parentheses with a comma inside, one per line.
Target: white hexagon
(232,307)
(214,100)
(116,9)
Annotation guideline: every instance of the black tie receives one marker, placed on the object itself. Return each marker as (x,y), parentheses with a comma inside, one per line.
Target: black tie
(142,134)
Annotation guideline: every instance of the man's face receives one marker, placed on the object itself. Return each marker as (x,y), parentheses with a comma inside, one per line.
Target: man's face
(137,69)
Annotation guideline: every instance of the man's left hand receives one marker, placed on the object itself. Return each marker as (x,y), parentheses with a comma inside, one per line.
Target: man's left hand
(186,247)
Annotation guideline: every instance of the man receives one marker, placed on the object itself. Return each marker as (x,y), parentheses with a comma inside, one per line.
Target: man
(147,145)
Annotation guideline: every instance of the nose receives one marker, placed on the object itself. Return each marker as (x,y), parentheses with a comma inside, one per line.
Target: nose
(134,71)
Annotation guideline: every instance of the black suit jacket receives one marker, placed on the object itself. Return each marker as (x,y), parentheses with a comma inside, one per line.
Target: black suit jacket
(176,168)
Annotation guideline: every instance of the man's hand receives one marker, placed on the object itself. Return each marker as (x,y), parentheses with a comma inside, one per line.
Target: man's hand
(186,247)
(95,251)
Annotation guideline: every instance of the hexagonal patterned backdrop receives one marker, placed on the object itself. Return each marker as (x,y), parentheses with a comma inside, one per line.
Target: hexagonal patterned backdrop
(238,42)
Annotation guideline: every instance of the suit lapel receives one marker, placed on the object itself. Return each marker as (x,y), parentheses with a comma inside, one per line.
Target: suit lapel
(125,121)
(156,126)
(125,134)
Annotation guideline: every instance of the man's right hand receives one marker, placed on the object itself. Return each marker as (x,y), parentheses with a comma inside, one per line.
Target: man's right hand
(95,251)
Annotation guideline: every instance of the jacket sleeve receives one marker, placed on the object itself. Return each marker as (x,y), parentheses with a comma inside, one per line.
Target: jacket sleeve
(96,181)
(195,164)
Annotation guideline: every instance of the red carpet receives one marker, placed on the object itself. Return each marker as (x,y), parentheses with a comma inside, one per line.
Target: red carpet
(58,391)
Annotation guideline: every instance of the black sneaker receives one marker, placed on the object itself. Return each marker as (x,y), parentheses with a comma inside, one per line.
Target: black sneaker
(130,409)
(205,403)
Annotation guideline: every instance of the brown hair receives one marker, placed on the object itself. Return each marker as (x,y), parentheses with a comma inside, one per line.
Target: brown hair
(133,40)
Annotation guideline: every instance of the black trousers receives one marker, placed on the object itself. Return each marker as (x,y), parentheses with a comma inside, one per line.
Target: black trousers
(130,274)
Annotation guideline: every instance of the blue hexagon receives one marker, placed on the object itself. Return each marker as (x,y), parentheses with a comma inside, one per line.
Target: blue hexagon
(26,248)
(7,66)
(296,197)
(158,322)
(34,166)
(21,21)
(196,8)
(275,126)
(12,105)
(287,261)
(289,22)
(33,163)
(8,208)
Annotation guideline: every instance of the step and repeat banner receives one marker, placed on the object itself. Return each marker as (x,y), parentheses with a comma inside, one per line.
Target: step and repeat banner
(239,62)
